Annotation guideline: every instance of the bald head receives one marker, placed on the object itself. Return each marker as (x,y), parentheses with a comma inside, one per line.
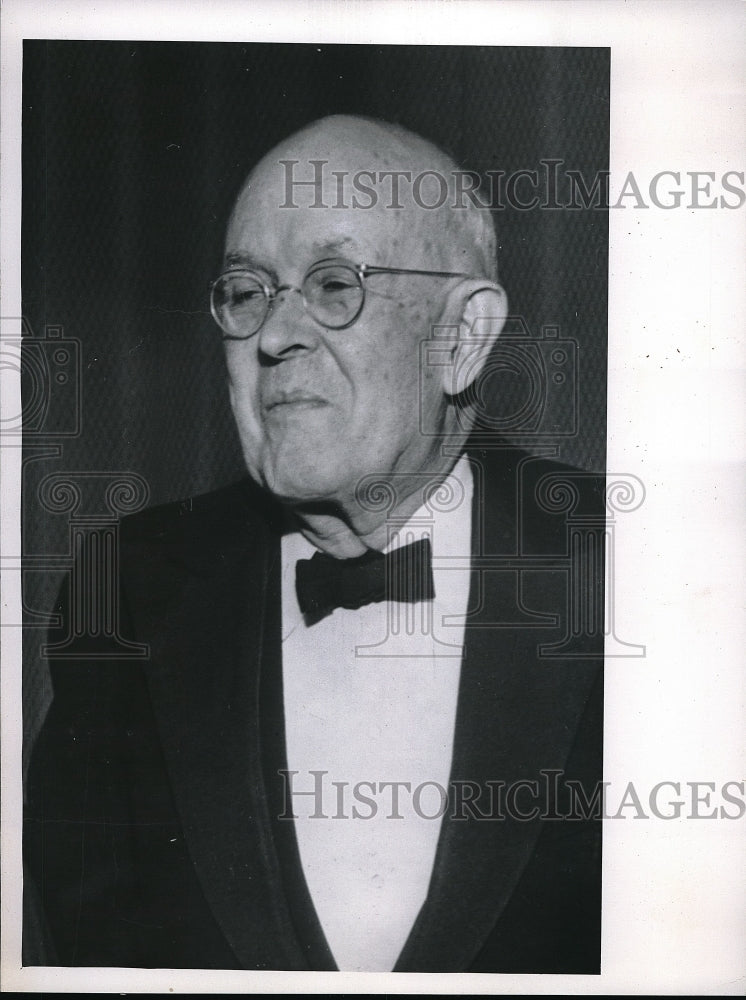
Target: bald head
(371,167)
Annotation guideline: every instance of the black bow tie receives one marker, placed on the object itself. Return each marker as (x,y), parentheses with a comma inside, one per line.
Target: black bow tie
(323,583)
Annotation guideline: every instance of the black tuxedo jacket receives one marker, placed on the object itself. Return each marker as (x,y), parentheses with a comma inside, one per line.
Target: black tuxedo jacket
(152,836)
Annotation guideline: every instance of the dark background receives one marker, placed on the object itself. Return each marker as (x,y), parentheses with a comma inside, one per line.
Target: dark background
(132,156)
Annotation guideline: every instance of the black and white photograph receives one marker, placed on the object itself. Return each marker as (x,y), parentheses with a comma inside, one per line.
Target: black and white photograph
(329,530)
(343,712)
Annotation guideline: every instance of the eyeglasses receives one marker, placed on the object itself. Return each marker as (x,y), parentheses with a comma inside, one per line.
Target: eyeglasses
(333,293)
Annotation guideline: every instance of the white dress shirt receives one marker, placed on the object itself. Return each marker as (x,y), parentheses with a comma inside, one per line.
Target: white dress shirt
(370,698)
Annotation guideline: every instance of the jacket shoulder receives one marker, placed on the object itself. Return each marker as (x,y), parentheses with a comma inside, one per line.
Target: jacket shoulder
(242,501)
(529,500)
(203,530)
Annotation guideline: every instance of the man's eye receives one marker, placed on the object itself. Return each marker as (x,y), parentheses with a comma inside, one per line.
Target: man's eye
(336,284)
(244,296)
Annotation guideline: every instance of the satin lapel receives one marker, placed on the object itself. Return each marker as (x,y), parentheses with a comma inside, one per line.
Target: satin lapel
(204,677)
(517,715)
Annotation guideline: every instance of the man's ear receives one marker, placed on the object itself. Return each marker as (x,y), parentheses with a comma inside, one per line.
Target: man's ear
(478,310)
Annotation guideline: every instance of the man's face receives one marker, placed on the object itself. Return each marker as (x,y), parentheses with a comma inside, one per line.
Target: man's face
(318,409)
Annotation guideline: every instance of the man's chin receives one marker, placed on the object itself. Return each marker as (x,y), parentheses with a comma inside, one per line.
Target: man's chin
(295,482)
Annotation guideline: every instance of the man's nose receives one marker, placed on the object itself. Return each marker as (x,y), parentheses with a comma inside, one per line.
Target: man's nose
(288,329)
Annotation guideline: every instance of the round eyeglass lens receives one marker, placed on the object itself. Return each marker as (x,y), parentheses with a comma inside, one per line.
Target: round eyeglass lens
(333,294)
(239,303)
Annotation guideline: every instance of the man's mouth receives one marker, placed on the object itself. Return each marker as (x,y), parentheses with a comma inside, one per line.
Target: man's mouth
(297,399)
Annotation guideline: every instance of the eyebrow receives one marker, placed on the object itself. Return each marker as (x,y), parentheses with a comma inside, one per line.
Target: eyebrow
(332,248)
(239,259)
(321,249)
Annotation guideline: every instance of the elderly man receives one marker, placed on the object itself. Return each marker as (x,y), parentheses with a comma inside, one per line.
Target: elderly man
(344,750)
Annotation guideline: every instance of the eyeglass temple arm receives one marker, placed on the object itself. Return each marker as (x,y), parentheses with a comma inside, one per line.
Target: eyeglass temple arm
(372,269)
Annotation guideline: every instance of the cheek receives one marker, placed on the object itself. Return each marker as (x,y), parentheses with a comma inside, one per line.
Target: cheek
(241,363)
(387,393)
(416,374)
(244,396)
(400,363)
(243,372)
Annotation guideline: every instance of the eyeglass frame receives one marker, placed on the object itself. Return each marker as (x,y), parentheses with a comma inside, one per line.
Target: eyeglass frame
(361,270)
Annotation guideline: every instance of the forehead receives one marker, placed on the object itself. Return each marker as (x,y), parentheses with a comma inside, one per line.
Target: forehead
(282,226)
